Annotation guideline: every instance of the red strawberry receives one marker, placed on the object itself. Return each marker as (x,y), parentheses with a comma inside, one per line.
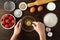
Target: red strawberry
(7,21)
(13,21)
(11,24)
(3,19)
(6,15)
(7,26)
(10,18)
(3,23)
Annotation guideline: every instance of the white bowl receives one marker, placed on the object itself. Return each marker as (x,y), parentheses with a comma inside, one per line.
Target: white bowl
(48,29)
(18,13)
(24,4)
(49,34)
(10,27)
(51,6)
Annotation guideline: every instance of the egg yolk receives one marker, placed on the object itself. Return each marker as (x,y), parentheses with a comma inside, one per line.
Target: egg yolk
(28,23)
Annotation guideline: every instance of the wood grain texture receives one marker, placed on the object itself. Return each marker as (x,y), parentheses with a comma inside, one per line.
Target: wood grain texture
(6,34)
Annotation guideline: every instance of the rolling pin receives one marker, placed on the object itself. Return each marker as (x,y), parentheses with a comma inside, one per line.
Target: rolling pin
(39,2)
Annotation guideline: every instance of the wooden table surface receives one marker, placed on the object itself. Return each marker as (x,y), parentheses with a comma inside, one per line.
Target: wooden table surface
(6,34)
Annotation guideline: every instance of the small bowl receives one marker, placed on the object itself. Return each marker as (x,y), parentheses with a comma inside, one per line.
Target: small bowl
(21,5)
(11,26)
(17,13)
(51,6)
(9,6)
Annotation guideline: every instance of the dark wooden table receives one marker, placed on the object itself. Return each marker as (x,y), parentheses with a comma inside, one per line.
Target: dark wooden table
(6,34)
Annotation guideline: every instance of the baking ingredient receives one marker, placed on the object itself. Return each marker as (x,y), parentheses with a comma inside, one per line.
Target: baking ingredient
(28,23)
(18,13)
(40,8)
(49,34)
(39,2)
(23,6)
(48,29)
(50,20)
(32,9)
(51,6)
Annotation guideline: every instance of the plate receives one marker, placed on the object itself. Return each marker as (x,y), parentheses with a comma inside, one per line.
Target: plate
(50,20)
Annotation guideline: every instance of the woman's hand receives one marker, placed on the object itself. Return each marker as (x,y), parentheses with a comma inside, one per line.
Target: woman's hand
(17,28)
(39,27)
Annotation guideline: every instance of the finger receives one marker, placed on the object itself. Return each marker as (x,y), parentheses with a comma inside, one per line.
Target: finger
(33,25)
(20,25)
(18,22)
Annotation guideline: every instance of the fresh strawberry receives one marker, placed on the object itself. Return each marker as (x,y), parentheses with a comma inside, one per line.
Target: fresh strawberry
(7,21)
(10,18)
(3,19)
(3,23)
(7,26)
(7,15)
(13,21)
(11,24)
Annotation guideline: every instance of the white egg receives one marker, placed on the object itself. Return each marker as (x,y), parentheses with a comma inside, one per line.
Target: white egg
(48,29)
(18,13)
(49,34)
(50,20)
(51,6)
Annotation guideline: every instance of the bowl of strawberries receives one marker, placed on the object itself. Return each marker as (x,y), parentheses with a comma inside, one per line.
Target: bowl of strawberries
(8,21)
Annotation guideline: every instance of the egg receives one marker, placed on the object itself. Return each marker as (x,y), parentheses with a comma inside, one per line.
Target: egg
(32,9)
(40,8)
(28,23)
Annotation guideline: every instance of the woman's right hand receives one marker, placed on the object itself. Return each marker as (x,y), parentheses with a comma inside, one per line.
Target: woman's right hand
(39,27)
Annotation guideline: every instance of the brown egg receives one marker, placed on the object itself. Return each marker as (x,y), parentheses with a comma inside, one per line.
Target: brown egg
(32,9)
(40,8)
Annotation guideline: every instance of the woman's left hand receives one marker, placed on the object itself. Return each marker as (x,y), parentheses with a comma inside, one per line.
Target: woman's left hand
(17,28)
